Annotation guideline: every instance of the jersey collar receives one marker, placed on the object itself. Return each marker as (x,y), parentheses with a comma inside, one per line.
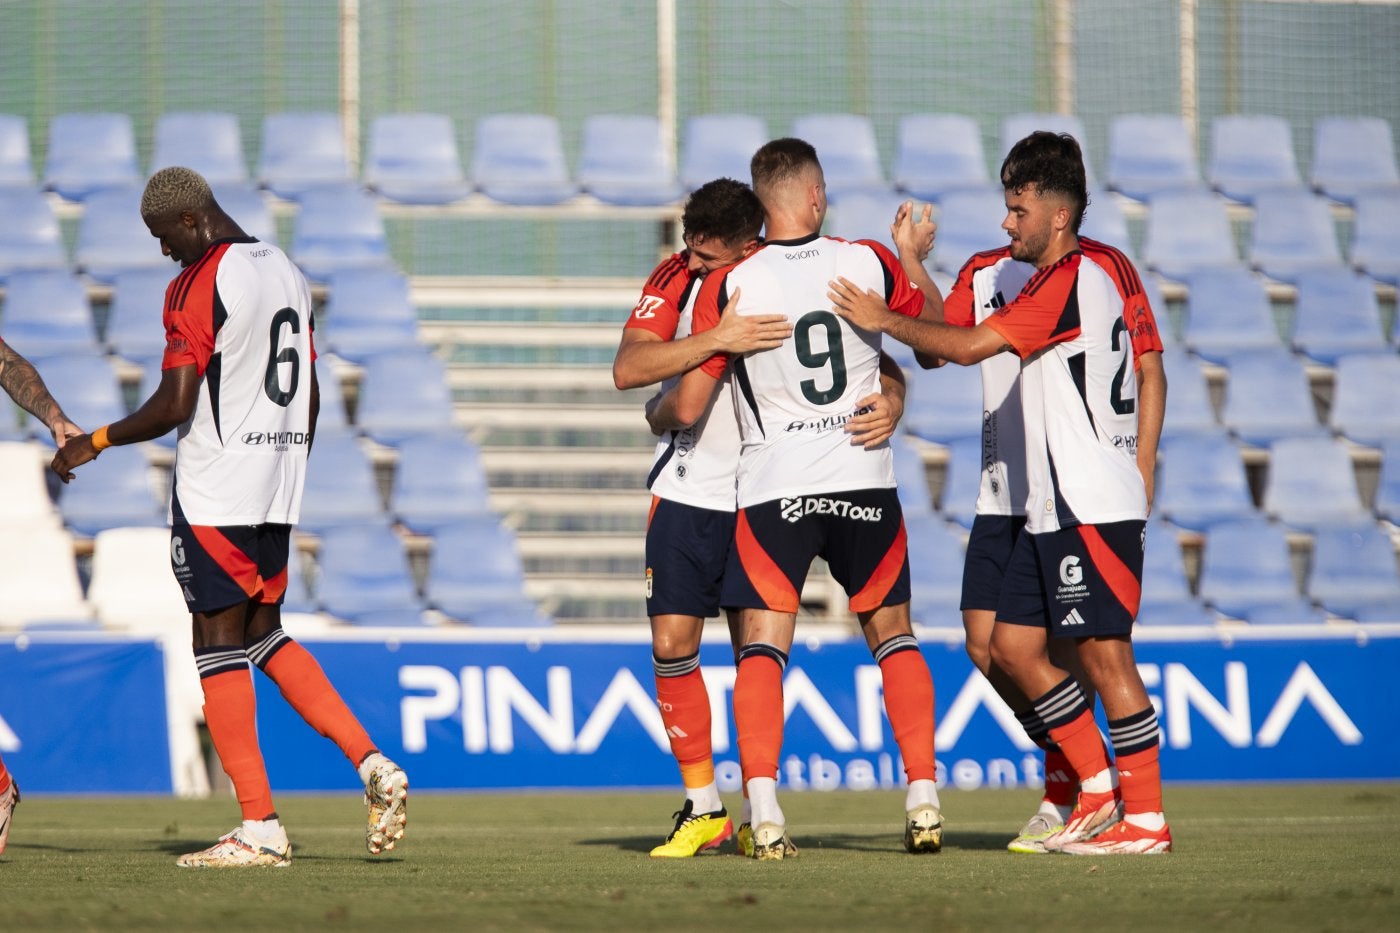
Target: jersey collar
(798,242)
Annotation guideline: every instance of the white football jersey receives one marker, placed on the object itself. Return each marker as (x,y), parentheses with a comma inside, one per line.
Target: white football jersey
(793,402)
(242,315)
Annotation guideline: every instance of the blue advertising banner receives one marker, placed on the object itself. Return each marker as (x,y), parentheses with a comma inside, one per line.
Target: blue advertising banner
(84,716)
(554,714)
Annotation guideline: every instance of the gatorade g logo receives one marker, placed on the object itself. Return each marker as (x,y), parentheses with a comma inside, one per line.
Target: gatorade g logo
(1070,571)
(177,552)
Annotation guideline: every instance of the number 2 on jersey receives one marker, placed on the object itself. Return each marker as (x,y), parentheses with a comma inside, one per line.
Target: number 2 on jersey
(834,355)
(272,385)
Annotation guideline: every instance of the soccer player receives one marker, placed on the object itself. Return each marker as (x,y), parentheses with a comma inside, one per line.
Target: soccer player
(22,383)
(985,283)
(239,381)
(804,490)
(1075,572)
(691,523)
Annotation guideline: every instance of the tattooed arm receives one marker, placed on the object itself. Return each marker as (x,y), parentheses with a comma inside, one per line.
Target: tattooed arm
(21,381)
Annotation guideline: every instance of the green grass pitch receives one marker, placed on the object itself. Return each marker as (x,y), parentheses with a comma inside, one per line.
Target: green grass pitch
(1249,857)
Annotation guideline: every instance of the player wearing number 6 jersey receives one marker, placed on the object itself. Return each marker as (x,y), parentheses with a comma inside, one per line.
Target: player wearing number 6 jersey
(239,381)
(1076,572)
(804,490)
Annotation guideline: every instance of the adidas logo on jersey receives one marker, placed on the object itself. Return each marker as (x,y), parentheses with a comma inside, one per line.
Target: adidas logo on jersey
(792,510)
(1074,618)
(997,301)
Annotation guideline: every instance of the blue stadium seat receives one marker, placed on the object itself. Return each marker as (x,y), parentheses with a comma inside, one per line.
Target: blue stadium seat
(936,556)
(865,215)
(1104,221)
(134,329)
(1268,397)
(1149,154)
(332,414)
(339,227)
(944,404)
(302,151)
(439,480)
(1227,311)
(112,237)
(365,578)
(1018,126)
(1201,481)
(1366,398)
(1353,566)
(1188,231)
(1336,313)
(962,480)
(209,142)
(1190,409)
(1250,154)
(16,167)
(88,152)
(368,311)
(1298,610)
(1311,483)
(30,237)
(1383,611)
(1388,483)
(1166,591)
(911,477)
(340,485)
(519,159)
(248,207)
(86,384)
(1245,564)
(1352,155)
(413,158)
(846,147)
(402,393)
(968,222)
(476,575)
(720,145)
(112,492)
(937,153)
(1293,232)
(47,312)
(1375,243)
(623,160)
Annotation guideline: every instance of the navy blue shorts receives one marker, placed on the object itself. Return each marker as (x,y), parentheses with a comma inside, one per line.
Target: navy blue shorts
(860,534)
(223,566)
(1076,582)
(989,548)
(687,548)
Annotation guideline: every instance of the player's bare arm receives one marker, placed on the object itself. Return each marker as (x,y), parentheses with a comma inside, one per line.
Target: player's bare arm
(644,358)
(1152,407)
(879,414)
(169,406)
(962,345)
(21,381)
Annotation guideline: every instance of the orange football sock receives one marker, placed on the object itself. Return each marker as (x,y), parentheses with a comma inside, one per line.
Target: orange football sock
(1082,745)
(908,688)
(685,711)
(1061,782)
(1140,778)
(758,711)
(306,689)
(230,711)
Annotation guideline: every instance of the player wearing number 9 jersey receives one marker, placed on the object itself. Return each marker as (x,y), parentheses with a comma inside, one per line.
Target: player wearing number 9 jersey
(239,381)
(804,490)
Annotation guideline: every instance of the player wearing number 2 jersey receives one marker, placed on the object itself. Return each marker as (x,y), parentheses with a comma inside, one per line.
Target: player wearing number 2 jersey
(239,381)
(804,490)
(1076,573)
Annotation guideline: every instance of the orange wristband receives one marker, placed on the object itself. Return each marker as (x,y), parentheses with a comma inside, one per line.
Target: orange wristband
(99,439)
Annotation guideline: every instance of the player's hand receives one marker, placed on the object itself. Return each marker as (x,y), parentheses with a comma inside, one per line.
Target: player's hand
(743,333)
(652,407)
(63,430)
(913,237)
(878,416)
(863,308)
(77,451)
